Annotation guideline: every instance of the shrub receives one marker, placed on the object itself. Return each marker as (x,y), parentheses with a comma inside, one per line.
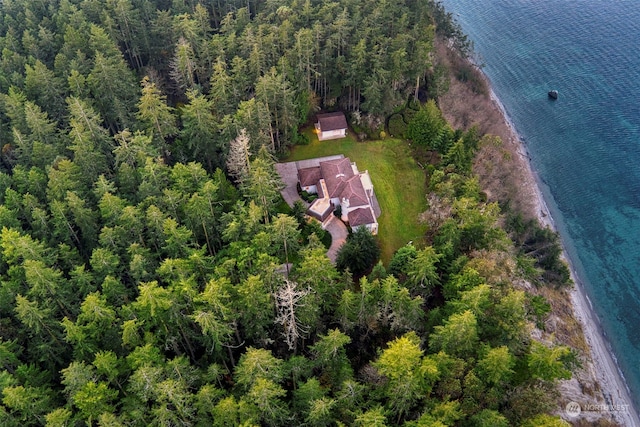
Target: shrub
(467,72)
(301,139)
(397,126)
(313,227)
(308,197)
(540,308)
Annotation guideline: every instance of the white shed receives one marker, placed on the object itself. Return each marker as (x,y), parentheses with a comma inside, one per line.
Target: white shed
(331,126)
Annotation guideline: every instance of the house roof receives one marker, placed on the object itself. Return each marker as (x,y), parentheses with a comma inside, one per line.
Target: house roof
(361,216)
(320,209)
(342,182)
(337,178)
(332,121)
(315,162)
(354,192)
(335,173)
(321,188)
(309,176)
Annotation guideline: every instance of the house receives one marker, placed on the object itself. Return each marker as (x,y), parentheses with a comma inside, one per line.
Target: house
(309,178)
(331,126)
(338,182)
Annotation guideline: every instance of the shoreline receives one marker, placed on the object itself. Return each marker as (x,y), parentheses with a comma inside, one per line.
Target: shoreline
(606,370)
(602,364)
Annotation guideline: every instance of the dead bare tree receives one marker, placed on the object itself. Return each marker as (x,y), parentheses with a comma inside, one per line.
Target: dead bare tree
(288,302)
(238,158)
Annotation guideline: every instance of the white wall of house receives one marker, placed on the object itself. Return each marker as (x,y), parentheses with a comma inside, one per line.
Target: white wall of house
(345,211)
(332,134)
(344,205)
(311,189)
(373,228)
(366,181)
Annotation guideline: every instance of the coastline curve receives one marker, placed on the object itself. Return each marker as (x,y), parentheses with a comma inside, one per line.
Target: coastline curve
(605,368)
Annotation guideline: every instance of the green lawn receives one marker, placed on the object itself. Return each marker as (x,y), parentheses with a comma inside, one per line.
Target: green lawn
(397,180)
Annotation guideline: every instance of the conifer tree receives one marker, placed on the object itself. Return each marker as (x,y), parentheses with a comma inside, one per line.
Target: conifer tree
(154,112)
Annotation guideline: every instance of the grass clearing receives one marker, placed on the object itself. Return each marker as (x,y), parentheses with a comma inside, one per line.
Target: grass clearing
(398,181)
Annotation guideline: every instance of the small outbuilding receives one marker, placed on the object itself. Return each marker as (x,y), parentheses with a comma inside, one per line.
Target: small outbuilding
(331,126)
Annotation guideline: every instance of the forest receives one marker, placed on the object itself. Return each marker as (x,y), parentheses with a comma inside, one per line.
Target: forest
(151,276)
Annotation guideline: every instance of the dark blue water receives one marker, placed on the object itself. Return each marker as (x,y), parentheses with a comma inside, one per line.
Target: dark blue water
(586,145)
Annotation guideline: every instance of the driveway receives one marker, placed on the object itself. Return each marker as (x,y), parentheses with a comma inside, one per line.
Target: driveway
(289,174)
(339,234)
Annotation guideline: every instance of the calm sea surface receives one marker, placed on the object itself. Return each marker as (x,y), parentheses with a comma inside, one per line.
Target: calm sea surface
(585,146)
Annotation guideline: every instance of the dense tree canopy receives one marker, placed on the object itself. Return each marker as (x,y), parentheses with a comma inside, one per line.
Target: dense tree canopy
(149,274)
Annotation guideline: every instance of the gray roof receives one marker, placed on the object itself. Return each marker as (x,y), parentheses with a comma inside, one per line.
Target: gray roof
(310,163)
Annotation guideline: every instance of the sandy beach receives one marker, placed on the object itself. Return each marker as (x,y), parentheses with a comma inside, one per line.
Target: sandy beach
(611,398)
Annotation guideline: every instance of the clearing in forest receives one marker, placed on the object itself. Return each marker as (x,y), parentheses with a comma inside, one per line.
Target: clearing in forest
(398,181)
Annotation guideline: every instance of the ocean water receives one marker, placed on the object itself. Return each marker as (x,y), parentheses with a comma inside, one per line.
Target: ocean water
(585,146)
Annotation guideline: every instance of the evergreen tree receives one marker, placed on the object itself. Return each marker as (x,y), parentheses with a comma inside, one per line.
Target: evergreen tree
(136,289)
(154,112)
(428,128)
(359,253)
(199,136)
(263,183)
